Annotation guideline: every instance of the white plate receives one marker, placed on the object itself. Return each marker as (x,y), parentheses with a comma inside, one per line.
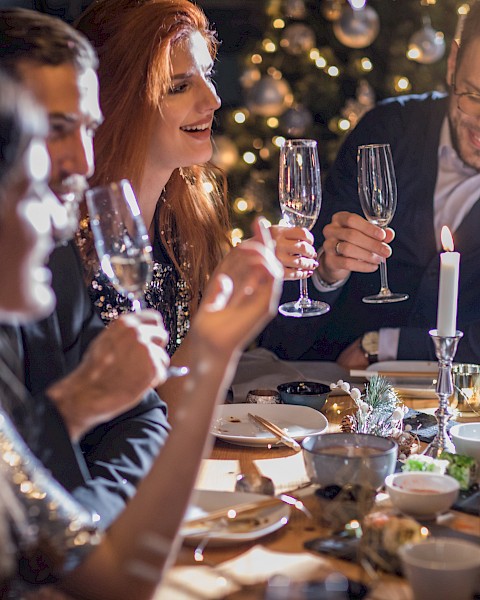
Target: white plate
(264,521)
(231,423)
(421,386)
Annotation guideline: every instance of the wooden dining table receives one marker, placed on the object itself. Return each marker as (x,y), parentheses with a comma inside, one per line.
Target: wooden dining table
(301,528)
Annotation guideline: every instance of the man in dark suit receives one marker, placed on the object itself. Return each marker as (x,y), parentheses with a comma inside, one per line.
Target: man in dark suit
(435,142)
(77,371)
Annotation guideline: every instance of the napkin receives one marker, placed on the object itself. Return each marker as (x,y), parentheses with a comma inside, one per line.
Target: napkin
(287,473)
(423,424)
(258,564)
(218,475)
(190,583)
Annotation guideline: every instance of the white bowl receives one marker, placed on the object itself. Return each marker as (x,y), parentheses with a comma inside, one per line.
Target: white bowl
(441,568)
(420,494)
(466,437)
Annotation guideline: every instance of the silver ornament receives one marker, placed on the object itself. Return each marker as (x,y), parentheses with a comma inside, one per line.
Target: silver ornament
(426,46)
(357,28)
(295,9)
(269,97)
(296,121)
(298,38)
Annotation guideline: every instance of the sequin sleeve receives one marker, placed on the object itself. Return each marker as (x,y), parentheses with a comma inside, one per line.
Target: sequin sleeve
(55,533)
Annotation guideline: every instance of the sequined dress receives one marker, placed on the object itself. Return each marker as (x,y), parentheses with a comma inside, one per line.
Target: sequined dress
(167,292)
(51,533)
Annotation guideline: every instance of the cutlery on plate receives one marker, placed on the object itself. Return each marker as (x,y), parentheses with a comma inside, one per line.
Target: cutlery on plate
(408,374)
(279,433)
(231,512)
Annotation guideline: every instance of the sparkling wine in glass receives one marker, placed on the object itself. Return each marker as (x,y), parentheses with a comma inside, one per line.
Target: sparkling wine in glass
(377,190)
(300,195)
(121,239)
(122,244)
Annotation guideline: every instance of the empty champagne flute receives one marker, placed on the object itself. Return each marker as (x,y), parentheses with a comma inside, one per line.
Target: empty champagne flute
(377,190)
(300,194)
(122,243)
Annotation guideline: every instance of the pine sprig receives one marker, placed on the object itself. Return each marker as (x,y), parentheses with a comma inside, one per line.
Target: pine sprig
(380,394)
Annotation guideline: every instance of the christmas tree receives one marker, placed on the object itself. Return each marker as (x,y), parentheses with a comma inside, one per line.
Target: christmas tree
(318,66)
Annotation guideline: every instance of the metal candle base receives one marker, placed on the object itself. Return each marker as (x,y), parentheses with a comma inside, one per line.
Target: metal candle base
(445,349)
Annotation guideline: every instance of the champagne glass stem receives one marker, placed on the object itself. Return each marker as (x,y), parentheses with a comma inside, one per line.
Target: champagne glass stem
(138,302)
(383,278)
(303,299)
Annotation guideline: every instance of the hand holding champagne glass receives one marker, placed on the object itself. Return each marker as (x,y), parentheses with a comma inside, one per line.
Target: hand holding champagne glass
(122,243)
(300,195)
(377,190)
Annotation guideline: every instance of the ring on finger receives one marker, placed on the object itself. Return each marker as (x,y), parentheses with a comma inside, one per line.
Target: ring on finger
(337,248)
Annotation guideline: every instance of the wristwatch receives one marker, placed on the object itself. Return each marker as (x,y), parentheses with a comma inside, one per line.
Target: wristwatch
(369,346)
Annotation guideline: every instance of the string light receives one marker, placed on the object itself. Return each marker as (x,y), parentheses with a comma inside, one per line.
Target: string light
(279,24)
(314,53)
(269,46)
(333,71)
(321,62)
(272,122)
(208,187)
(463,9)
(366,64)
(278,140)
(256,59)
(249,158)
(239,117)
(344,124)
(236,236)
(402,84)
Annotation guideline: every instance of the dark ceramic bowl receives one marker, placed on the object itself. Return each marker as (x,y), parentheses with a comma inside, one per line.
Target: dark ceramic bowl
(349,458)
(304,393)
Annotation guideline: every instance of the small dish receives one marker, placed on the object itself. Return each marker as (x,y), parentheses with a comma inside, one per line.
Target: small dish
(422,494)
(304,393)
(466,437)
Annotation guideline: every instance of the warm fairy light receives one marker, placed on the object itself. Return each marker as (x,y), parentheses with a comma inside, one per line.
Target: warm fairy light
(320,62)
(208,187)
(269,46)
(366,64)
(257,143)
(272,122)
(279,24)
(236,236)
(424,531)
(463,9)
(357,4)
(333,71)
(239,117)
(354,524)
(256,59)
(402,84)
(343,124)
(232,513)
(278,140)
(240,205)
(447,239)
(314,53)
(264,153)
(249,158)
(413,53)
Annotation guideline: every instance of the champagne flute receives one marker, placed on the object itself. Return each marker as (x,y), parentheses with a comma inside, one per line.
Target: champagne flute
(300,195)
(122,243)
(377,189)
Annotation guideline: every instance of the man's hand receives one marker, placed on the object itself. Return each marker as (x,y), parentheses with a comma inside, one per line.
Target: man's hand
(353,357)
(120,365)
(352,244)
(294,249)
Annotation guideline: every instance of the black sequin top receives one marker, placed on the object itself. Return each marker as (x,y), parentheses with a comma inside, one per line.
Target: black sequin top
(166,292)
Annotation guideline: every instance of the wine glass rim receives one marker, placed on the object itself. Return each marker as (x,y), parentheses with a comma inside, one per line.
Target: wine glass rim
(300,142)
(374,146)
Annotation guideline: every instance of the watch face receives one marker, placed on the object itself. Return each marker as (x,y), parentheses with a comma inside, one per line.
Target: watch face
(370,342)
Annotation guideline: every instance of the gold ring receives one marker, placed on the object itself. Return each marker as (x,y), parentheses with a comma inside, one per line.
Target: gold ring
(337,251)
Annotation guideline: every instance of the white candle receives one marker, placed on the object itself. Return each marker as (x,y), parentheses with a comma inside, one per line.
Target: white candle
(448,287)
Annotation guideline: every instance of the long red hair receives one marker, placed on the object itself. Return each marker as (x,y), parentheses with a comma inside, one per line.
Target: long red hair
(134,40)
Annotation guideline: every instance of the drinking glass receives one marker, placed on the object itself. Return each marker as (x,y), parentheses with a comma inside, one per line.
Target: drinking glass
(300,195)
(377,190)
(122,243)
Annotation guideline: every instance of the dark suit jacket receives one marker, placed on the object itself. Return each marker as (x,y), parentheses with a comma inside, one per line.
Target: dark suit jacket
(411,125)
(103,470)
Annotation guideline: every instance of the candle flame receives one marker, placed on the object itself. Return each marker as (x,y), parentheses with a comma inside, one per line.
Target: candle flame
(447,239)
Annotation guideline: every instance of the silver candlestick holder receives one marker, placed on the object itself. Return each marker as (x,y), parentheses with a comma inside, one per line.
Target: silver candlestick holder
(445,349)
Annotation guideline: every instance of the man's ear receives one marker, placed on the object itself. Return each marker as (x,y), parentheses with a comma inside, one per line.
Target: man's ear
(452,62)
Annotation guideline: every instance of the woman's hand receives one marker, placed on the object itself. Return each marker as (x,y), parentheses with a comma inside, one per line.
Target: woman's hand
(294,249)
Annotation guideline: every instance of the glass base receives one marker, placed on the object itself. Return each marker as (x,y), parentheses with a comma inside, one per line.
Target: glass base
(304,308)
(385,298)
